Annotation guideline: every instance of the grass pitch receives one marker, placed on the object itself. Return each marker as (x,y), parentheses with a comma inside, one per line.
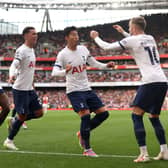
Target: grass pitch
(51,142)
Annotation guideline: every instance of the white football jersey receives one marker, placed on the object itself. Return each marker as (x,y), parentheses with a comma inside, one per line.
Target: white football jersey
(144,50)
(25,73)
(76,78)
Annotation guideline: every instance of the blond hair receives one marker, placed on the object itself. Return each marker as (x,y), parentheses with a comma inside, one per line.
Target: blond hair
(140,22)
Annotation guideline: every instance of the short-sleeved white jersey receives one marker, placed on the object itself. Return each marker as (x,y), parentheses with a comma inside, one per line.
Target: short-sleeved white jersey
(144,50)
(76,78)
(25,73)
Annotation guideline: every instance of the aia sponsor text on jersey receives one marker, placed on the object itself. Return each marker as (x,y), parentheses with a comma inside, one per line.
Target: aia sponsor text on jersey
(31,64)
(78,69)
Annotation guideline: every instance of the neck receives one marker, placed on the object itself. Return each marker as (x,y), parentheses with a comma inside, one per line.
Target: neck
(29,44)
(71,47)
(139,32)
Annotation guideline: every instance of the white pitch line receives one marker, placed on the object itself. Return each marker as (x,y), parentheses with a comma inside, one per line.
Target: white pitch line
(64,154)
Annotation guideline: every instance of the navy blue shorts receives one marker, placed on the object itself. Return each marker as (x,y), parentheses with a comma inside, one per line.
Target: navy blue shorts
(150,97)
(85,100)
(26,101)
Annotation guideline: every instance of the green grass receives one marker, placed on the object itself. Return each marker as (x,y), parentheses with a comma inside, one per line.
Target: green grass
(56,133)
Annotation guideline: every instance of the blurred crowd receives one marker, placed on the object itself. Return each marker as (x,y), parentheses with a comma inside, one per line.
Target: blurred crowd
(112,98)
(50,43)
(93,76)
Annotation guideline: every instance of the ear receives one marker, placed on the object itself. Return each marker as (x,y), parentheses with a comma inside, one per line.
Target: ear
(66,38)
(25,36)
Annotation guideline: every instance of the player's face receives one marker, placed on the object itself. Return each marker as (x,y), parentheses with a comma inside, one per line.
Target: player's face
(31,37)
(73,38)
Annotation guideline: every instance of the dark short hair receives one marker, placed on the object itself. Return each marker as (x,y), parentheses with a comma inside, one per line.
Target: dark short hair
(140,22)
(68,30)
(27,30)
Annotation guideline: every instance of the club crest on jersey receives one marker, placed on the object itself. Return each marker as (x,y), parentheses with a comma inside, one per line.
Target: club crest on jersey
(84,59)
(31,64)
(78,69)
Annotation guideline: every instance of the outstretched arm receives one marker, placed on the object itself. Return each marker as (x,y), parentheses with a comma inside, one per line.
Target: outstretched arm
(96,64)
(104,45)
(121,30)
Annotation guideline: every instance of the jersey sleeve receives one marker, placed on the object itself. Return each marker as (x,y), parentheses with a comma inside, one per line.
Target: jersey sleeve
(91,61)
(125,34)
(19,55)
(58,69)
(107,46)
(96,64)
(13,68)
(127,42)
(15,63)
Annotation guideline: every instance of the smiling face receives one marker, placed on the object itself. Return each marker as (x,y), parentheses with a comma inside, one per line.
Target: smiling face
(72,38)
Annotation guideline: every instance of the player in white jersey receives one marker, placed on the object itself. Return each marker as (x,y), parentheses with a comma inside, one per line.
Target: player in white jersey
(71,62)
(151,93)
(26,101)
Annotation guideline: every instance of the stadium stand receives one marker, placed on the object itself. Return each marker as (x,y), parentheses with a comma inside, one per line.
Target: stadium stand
(113,95)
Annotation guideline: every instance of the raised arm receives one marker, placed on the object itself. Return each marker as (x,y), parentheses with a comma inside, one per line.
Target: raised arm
(96,64)
(121,30)
(104,45)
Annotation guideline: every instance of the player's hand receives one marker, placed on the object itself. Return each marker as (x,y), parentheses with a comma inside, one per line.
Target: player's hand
(11,79)
(118,28)
(94,34)
(68,68)
(111,64)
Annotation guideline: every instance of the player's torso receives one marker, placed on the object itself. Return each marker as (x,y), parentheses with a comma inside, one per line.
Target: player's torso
(147,58)
(75,58)
(142,48)
(77,77)
(26,70)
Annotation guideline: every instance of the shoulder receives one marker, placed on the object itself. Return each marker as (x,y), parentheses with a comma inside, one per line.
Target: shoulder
(131,40)
(150,37)
(62,53)
(82,48)
(20,50)
(128,41)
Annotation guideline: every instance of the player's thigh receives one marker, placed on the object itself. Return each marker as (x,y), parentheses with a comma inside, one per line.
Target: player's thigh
(35,103)
(78,101)
(94,103)
(150,97)
(160,93)
(21,101)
